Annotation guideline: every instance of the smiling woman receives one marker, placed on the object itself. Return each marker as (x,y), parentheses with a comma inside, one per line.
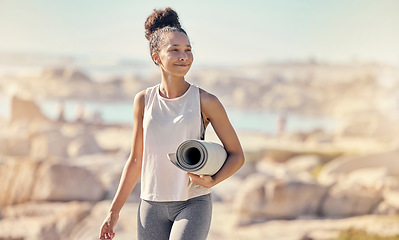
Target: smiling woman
(174,204)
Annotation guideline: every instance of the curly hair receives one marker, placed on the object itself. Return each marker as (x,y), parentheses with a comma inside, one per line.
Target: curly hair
(159,22)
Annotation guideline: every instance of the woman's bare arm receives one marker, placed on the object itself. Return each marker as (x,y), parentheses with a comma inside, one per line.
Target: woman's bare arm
(131,171)
(214,113)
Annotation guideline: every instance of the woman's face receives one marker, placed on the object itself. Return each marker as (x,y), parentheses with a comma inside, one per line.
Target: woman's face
(175,56)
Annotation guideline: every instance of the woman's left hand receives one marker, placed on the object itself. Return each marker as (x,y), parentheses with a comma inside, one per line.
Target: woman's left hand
(202,180)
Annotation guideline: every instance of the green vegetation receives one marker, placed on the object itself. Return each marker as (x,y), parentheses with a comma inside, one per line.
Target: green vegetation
(357,234)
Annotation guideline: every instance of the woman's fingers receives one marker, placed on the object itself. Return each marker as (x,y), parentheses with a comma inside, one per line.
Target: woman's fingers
(202,180)
(107,232)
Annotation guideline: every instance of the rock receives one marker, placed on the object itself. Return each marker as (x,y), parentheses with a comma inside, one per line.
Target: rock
(341,166)
(226,191)
(49,143)
(83,144)
(88,229)
(345,200)
(368,178)
(392,198)
(303,163)
(25,180)
(384,208)
(295,136)
(60,182)
(15,146)
(319,136)
(15,137)
(29,228)
(293,199)
(250,199)
(24,109)
(359,184)
(273,169)
(247,169)
(375,125)
(279,155)
(113,163)
(71,74)
(42,220)
(17,179)
(262,198)
(65,74)
(390,204)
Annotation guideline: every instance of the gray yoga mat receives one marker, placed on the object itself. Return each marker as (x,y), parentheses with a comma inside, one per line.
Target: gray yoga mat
(199,157)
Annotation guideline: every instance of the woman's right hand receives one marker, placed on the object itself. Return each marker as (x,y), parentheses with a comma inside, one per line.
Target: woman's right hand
(107,229)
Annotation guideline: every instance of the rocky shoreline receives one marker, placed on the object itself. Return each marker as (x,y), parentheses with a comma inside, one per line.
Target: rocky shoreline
(57,178)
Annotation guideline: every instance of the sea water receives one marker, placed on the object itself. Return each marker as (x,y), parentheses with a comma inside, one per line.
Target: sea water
(122,113)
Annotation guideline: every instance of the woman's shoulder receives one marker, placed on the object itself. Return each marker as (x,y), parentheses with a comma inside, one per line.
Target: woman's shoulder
(210,105)
(207,97)
(139,99)
(140,95)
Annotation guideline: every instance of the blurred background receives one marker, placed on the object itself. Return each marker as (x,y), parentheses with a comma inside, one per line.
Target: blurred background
(311,87)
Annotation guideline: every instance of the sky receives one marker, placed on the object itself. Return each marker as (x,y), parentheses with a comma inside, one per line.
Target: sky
(221,32)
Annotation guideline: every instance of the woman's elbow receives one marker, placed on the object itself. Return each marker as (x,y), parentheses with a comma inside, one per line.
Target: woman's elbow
(240,160)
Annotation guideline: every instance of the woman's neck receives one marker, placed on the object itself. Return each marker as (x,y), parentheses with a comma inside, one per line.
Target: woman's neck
(173,87)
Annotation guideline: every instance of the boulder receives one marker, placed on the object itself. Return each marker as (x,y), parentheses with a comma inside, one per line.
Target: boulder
(385,208)
(83,144)
(25,109)
(375,125)
(26,180)
(42,220)
(375,179)
(65,74)
(319,136)
(279,155)
(273,169)
(360,191)
(61,182)
(342,166)
(392,198)
(390,204)
(351,198)
(71,74)
(227,190)
(247,169)
(303,163)
(15,146)
(126,228)
(17,179)
(15,137)
(113,163)
(262,198)
(49,143)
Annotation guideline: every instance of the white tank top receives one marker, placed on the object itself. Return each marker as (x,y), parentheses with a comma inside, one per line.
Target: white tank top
(166,124)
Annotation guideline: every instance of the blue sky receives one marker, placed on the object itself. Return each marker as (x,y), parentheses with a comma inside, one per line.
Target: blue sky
(221,32)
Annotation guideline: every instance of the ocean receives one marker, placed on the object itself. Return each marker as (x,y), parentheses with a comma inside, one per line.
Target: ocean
(121,113)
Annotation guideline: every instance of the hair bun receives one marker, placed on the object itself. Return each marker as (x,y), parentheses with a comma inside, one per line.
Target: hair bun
(160,19)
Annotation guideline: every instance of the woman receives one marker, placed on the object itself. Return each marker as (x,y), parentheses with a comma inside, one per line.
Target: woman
(174,204)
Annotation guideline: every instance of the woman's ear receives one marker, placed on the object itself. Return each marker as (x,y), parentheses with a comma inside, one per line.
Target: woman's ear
(156,59)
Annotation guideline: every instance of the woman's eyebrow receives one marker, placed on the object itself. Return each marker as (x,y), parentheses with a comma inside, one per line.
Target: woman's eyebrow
(177,45)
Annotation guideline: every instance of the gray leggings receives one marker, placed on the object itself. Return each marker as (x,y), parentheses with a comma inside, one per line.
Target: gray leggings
(181,220)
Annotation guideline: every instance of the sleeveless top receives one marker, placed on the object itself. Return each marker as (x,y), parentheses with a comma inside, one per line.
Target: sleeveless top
(166,124)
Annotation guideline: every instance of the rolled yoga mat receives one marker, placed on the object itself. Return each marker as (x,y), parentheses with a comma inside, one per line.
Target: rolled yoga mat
(199,157)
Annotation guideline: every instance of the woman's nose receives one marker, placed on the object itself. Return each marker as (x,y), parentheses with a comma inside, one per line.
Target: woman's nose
(183,57)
